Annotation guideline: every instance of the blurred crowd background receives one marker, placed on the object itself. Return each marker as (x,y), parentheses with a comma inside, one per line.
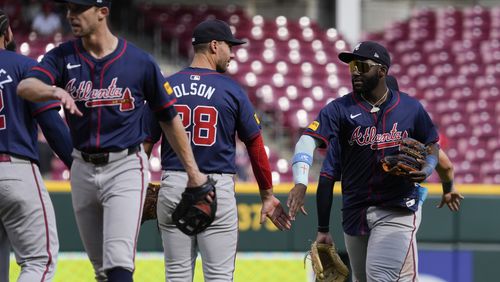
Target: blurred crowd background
(445,53)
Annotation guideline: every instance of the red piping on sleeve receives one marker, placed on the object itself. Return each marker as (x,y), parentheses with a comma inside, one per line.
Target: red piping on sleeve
(47,73)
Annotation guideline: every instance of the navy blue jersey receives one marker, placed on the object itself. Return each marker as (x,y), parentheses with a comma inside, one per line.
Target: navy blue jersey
(364,138)
(18,128)
(213,108)
(110,92)
(331,164)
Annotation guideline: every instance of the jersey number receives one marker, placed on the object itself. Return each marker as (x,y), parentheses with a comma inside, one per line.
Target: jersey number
(2,82)
(2,117)
(204,120)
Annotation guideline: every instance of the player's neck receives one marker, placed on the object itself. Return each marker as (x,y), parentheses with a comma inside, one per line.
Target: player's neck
(201,61)
(100,43)
(377,95)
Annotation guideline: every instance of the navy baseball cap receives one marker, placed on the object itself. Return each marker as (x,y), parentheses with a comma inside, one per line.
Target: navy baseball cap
(97,3)
(367,50)
(209,30)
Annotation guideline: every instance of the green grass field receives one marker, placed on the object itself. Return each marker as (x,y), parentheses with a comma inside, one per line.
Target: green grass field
(149,267)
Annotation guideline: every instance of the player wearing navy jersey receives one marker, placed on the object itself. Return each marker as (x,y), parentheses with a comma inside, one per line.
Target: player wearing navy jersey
(214,109)
(27,219)
(108,80)
(380,211)
(330,172)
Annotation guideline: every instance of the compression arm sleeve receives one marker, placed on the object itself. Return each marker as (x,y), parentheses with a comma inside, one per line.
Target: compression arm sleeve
(57,134)
(303,159)
(324,198)
(260,162)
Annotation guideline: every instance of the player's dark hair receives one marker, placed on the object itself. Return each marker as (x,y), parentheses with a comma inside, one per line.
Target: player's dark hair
(4,23)
(201,48)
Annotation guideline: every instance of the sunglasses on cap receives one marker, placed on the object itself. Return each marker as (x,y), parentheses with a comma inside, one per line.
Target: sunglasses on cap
(360,66)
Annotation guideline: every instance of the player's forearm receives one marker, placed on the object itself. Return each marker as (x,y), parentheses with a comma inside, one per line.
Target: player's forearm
(177,138)
(35,90)
(324,197)
(260,162)
(303,159)
(148,148)
(444,167)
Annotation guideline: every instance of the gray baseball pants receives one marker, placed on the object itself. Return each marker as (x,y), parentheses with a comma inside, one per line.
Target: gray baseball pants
(389,252)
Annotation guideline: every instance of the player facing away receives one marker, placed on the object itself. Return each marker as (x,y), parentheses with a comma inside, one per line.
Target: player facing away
(27,219)
(107,80)
(214,109)
(380,212)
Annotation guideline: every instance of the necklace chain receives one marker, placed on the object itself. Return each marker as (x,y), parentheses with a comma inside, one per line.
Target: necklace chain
(375,107)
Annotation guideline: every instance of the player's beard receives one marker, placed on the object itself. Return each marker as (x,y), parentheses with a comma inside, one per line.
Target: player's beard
(221,67)
(11,46)
(368,85)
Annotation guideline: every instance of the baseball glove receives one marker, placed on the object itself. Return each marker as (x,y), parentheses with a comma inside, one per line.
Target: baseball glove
(326,263)
(194,213)
(410,158)
(149,209)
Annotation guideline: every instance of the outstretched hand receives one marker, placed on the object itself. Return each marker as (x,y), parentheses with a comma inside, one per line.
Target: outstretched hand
(452,200)
(67,101)
(272,208)
(296,200)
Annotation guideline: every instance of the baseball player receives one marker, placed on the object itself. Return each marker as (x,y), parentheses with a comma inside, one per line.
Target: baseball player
(107,80)
(380,211)
(214,109)
(330,172)
(27,219)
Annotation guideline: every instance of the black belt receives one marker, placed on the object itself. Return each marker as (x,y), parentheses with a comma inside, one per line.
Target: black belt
(103,157)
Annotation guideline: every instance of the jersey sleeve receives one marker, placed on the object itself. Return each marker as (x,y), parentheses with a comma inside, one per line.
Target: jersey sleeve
(40,107)
(248,125)
(326,125)
(49,70)
(158,92)
(151,126)
(331,164)
(425,130)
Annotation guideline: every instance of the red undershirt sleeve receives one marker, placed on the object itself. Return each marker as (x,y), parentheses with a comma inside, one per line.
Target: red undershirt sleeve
(260,162)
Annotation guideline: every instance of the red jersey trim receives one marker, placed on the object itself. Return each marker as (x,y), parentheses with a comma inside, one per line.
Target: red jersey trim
(47,73)
(166,105)
(43,109)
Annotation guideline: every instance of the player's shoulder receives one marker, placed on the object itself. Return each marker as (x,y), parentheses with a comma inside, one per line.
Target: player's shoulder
(221,81)
(407,100)
(137,52)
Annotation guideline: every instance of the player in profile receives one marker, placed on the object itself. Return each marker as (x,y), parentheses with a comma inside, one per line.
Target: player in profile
(380,211)
(107,80)
(214,110)
(27,219)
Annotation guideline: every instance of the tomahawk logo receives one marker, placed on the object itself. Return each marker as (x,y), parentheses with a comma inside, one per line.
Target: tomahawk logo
(103,97)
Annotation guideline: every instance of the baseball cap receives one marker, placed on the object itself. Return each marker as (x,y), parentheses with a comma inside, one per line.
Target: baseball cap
(97,3)
(367,50)
(209,30)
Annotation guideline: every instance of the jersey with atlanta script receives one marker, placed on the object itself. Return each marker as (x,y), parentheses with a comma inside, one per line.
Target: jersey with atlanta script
(18,128)
(214,109)
(110,92)
(364,138)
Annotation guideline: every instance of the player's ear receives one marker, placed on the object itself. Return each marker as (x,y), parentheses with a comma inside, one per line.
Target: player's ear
(103,12)
(382,71)
(213,46)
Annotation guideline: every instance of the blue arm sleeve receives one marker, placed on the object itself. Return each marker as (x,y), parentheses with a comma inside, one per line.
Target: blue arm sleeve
(57,134)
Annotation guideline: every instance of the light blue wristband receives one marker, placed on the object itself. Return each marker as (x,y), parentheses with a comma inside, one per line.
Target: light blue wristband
(302,157)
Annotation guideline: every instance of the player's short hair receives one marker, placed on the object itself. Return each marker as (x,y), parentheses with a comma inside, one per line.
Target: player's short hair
(4,23)
(201,48)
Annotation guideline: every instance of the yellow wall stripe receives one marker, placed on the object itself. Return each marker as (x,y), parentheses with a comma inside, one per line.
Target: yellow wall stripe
(284,188)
